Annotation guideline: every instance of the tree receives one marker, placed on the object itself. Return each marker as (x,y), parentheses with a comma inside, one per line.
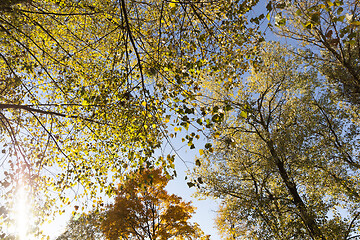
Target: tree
(285,159)
(331,27)
(144,210)
(83,227)
(88,85)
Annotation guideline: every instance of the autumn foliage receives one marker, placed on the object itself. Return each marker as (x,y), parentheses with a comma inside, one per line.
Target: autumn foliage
(143,209)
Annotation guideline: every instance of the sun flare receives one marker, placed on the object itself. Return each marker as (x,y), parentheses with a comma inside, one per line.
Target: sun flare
(22,213)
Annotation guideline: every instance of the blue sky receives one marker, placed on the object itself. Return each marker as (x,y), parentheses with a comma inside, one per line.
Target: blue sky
(205,209)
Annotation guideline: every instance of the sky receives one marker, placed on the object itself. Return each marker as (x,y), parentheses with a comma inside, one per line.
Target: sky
(205,209)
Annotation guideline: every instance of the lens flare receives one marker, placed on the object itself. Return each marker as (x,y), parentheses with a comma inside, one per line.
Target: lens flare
(22,212)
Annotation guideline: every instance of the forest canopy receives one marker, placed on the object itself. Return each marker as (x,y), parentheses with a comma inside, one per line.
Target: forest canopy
(285,158)
(91,90)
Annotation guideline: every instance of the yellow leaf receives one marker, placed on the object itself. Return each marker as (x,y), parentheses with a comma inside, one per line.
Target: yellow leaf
(201,152)
(243,114)
(330,3)
(172,4)
(143,103)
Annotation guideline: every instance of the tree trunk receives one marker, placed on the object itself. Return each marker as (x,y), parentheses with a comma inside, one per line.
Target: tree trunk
(307,217)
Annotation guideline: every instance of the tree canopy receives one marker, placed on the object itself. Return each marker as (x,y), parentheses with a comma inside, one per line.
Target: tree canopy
(83,227)
(92,89)
(285,157)
(144,210)
(88,86)
(331,27)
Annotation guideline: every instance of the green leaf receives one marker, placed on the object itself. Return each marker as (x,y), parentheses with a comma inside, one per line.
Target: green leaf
(228,107)
(269,6)
(340,10)
(315,18)
(352,42)
(198,163)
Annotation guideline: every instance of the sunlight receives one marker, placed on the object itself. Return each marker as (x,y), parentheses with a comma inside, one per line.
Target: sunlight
(22,212)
